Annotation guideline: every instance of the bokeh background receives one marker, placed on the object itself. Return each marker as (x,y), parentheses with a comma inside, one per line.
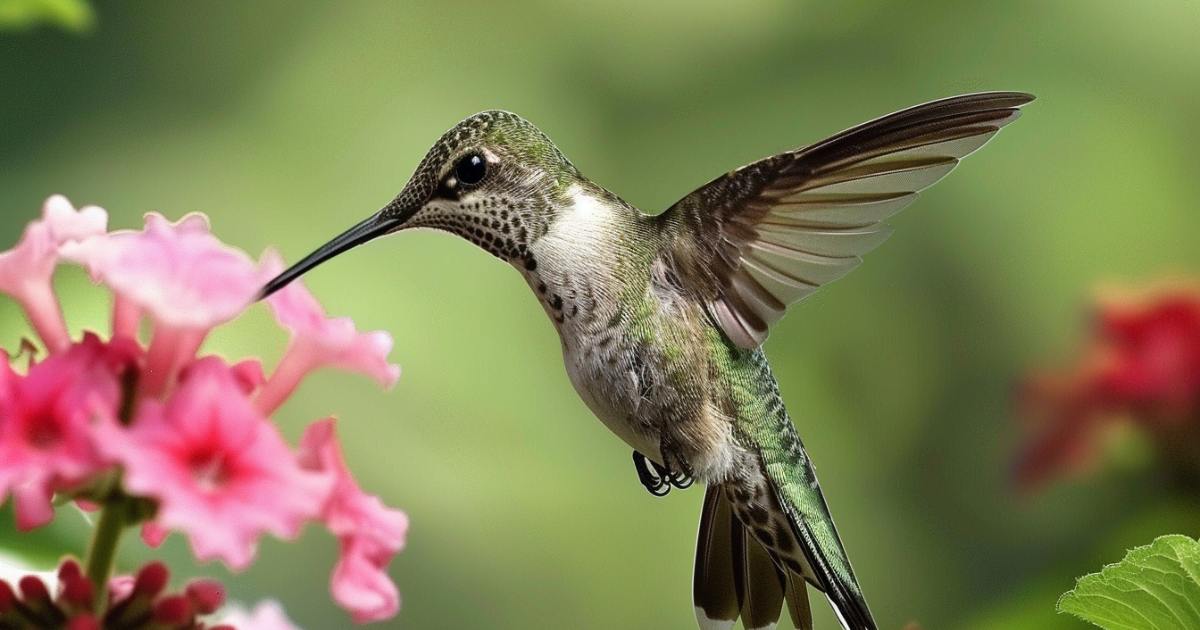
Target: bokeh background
(286,122)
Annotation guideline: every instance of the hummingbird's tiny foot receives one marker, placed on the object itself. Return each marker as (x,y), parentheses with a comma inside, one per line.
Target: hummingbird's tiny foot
(654,478)
(680,480)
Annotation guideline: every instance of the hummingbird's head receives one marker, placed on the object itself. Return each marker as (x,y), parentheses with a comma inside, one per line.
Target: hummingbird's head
(494,179)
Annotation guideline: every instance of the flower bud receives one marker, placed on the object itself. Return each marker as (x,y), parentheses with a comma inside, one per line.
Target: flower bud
(206,595)
(173,610)
(151,579)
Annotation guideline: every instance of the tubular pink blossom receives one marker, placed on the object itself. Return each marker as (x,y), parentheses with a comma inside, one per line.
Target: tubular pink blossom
(170,349)
(190,437)
(317,341)
(220,470)
(177,273)
(360,582)
(26,270)
(49,417)
(369,532)
(126,317)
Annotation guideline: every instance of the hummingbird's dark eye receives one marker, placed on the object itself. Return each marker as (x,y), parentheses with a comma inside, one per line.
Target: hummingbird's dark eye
(471,169)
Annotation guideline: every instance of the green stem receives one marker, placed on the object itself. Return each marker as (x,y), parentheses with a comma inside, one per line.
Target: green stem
(103,550)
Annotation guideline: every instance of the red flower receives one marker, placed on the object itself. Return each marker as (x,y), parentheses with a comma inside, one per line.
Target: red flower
(1143,365)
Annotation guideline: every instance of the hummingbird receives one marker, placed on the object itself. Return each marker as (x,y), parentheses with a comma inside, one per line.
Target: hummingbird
(662,317)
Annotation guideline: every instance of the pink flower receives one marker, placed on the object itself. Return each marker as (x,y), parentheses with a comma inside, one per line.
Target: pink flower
(318,340)
(267,615)
(179,273)
(220,470)
(27,269)
(47,419)
(369,532)
(360,582)
(191,437)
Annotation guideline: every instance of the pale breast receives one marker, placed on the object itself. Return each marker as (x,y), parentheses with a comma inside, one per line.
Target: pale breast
(635,350)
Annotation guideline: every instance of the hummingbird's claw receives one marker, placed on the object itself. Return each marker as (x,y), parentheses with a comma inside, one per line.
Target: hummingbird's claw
(656,483)
(658,479)
(680,480)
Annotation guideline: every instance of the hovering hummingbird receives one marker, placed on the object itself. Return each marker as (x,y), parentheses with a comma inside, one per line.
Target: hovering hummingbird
(661,317)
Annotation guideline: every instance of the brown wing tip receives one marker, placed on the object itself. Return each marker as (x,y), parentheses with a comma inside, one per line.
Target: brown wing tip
(988,100)
(1024,97)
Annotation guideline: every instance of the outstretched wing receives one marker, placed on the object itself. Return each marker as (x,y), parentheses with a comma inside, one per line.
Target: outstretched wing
(765,236)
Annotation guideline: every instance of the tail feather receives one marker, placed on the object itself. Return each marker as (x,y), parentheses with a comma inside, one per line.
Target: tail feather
(762,584)
(826,566)
(797,602)
(749,566)
(715,589)
(737,577)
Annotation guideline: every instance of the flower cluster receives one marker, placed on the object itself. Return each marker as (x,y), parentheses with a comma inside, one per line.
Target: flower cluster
(1142,367)
(160,436)
(134,602)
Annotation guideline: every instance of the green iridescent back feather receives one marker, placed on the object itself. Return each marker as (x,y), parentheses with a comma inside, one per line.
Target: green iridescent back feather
(762,424)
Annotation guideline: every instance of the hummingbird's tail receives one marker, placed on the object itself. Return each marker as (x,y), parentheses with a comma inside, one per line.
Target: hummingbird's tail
(753,556)
(735,576)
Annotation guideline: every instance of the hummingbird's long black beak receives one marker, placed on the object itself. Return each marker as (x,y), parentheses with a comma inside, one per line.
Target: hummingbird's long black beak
(378,224)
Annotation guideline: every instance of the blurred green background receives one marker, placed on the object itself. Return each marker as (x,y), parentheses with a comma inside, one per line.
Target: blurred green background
(286,122)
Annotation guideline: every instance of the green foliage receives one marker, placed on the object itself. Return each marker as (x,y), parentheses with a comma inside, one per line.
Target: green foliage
(40,549)
(71,15)
(1156,586)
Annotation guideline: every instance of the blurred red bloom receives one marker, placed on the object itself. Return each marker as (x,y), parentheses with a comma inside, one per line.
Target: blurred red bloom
(1142,366)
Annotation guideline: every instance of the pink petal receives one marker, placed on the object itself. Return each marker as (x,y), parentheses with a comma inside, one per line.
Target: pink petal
(179,273)
(360,584)
(170,349)
(249,375)
(126,318)
(350,512)
(33,505)
(154,534)
(220,471)
(26,270)
(68,224)
(370,533)
(121,586)
(47,440)
(318,341)
(267,615)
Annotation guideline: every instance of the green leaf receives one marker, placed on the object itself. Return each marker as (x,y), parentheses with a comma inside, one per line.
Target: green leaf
(1156,587)
(43,547)
(71,15)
